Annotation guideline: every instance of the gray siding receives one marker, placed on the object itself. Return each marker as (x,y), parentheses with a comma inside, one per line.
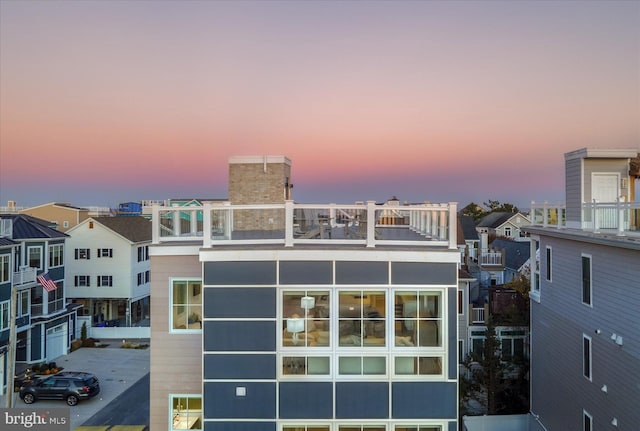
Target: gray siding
(573,184)
(559,390)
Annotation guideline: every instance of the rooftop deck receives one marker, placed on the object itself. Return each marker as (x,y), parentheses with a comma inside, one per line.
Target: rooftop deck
(291,224)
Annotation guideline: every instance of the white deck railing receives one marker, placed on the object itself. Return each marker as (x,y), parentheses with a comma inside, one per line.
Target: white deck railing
(491,258)
(621,217)
(24,276)
(221,223)
(477,315)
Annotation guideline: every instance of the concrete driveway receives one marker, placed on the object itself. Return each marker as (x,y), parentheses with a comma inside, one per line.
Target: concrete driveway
(116,368)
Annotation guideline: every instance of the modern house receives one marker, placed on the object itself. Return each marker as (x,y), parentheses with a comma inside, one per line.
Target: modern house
(45,322)
(63,215)
(108,273)
(585,297)
(273,315)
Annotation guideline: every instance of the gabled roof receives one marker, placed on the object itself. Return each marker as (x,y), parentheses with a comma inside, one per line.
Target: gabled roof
(468,226)
(495,219)
(516,252)
(27,227)
(133,228)
(65,205)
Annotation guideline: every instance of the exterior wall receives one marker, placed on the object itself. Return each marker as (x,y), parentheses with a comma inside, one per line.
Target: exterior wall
(176,360)
(613,166)
(58,214)
(243,321)
(560,392)
(573,185)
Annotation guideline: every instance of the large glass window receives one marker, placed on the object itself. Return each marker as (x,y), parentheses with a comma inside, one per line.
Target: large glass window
(56,255)
(306,365)
(4,268)
(421,365)
(186,412)
(361,318)
(362,365)
(186,305)
(306,321)
(418,319)
(34,254)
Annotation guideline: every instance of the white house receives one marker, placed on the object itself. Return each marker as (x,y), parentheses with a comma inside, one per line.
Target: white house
(108,272)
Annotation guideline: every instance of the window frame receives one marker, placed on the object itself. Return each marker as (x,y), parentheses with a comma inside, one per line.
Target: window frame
(5,268)
(101,252)
(548,263)
(586,283)
(41,257)
(171,413)
(5,315)
(56,255)
(327,321)
(587,421)
(23,309)
(587,357)
(82,253)
(104,280)
(78,278)
(189,281)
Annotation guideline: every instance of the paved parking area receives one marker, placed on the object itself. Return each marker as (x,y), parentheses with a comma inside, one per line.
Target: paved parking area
(116,368)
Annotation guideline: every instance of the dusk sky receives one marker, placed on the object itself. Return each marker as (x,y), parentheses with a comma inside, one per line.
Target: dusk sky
(111,101)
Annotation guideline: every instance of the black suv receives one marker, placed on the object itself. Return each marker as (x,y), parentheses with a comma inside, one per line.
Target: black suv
(71,386)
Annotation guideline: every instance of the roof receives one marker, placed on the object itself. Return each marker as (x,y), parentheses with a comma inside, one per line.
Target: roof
(133,228)
(6,242)
(57,204)
(464,275)
(516,252)
(495,219)
(468,226)
(27,227)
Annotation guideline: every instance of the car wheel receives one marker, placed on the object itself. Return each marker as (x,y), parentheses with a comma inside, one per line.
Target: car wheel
(72,400)
(28,398)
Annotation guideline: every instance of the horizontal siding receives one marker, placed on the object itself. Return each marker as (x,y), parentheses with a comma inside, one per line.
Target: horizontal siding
(573,182)
(559,390)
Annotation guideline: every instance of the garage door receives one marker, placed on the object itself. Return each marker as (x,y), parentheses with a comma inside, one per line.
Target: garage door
(56,342)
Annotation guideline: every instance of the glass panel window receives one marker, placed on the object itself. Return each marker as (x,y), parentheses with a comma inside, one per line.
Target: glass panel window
(586,280)
(23,303)
(418,319)
(586,356)
(4,268)
(306,365)
(362,365)
(4,315)
(82,253)
(186,305)
(417,428)
(423,365)
(104,280)
(82,281)
(548,264)
(362,428)
(56,253)
(35,257)
(361,318)
(306,321)
(587,421)
(186,412)
(105,252)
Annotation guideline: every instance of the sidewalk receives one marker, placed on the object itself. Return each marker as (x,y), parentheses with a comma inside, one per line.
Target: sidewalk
(116,368)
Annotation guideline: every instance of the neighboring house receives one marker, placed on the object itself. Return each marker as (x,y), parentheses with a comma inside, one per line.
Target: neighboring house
(465,283)
(515,254)
(108,272)
(272,315)
(8,249)
(504,225)
(468,239)
(63,215)
(585,297)
(45,323)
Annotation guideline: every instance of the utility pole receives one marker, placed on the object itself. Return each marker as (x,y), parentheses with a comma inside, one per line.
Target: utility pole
(11,350)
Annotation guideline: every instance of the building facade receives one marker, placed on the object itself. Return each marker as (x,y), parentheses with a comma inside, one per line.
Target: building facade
(283,316)
(585,297)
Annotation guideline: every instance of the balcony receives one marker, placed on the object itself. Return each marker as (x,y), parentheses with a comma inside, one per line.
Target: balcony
(491,258)
(621,218)
(24,276)
(292,224)
(477,315)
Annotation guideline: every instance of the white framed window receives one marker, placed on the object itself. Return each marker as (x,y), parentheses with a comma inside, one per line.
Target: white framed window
(418,366)
(315,427)
(512,344)
(4,315)
(185,305)
(56,255)
(361,318)
(587,421)
(418,318)
(143,253)
(362,365)
(34,256)
(82,253)
(140,278)
(105,252)
(461,354)
(507,231)
(535,269)
(586,357)
(460,302)
(417,427)
(368,427)
(306,318)
(5,267)
(306,365)
(104,280)
(185,412)
(548,263)
(23,303)
(82,281)
(587,290)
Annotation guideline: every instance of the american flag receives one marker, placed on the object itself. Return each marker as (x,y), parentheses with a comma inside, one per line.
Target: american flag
(47,282)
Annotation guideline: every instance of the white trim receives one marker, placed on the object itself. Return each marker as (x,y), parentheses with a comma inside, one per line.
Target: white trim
(259,160)
(585,414)
(171,329)
(590,377)
(590,303)
(443,256)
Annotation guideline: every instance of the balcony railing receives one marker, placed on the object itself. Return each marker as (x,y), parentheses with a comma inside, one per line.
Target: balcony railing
(24,276)
(491,258)
(620,217)
(291,224)
(477,315)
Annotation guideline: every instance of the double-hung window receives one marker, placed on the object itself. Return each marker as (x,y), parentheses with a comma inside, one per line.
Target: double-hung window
(34,254)
(81,281)
(586,356)
(4,268)
(56,255)
(105,252)
(23,303)
(104,280)
(82,253)
(186,305)
(143,253)
(586,280)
